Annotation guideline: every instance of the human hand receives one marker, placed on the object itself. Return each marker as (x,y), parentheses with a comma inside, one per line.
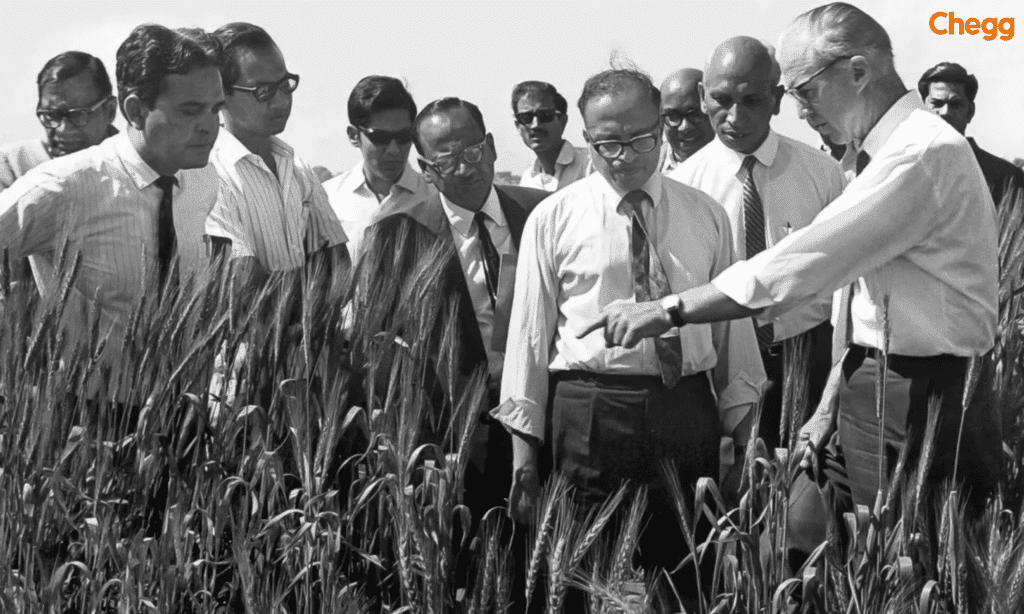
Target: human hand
(525,491)
(626,324)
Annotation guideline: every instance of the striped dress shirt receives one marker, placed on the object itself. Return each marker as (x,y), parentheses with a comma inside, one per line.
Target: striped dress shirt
(795,182)
(103,201)
(277,219)
(356,206)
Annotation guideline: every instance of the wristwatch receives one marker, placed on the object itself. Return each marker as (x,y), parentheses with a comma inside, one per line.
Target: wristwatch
(673,305)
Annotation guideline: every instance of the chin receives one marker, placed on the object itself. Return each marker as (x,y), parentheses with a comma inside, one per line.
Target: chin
(195,161)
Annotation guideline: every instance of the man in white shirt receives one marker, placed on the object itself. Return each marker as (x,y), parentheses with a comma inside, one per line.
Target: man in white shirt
(541,114)
(687,128)
(770,185)
(623,235)
(915,235)
(380,114)
(128,206)
(272,212)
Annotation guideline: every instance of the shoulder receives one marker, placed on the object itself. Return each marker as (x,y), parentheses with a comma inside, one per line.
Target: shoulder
(527,198)
(808,155)
(999,168)
(695,203)
(695,165)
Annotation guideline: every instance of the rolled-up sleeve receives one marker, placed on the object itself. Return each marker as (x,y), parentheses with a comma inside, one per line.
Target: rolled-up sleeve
(325,229)
(225,222)
(532,329)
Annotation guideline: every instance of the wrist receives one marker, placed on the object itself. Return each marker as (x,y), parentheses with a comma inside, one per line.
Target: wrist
(673,306)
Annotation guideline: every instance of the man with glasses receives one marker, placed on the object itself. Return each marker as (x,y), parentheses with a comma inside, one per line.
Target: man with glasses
(272,212)
(770,185)
(623,235)
(911,241)
(540,114)
(468,232)
(76,108)
(687,128)
(380,114)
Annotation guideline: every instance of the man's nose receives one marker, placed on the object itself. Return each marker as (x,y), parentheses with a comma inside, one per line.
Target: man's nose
(393,147)
(628,154)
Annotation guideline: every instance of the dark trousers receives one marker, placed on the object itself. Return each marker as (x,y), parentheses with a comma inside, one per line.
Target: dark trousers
(819,362)
(607,429)
(851,460)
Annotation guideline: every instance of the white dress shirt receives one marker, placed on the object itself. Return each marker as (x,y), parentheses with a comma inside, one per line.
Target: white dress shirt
(467,243)
(572,165)
(356,205)
(795,182)
(16,159)
(277,219)
(104,202)
(918,225)
(575,259)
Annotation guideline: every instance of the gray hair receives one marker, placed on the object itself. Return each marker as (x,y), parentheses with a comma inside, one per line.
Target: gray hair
(840,29)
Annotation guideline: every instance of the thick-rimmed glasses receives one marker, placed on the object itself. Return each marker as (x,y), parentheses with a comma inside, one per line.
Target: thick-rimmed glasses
(52,118)
(675,119)
(798,95)
(446,165)
(266,91)
(641,144)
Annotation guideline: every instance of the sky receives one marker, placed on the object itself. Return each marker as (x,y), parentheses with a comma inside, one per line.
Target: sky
(480,50)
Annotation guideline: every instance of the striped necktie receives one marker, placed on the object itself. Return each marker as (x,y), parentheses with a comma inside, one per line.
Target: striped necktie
(490,254)
(650,283)
(753,223)
(166,237)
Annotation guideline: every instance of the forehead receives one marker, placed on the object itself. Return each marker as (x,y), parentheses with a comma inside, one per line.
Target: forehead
(449,129)
(199,85)
(390,119)
(797,58)
(77,91)
(619,114)
(946,91)
(534,99)
(260,65)
(681,97)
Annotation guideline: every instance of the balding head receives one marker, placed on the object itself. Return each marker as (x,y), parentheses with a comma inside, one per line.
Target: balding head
(741,92)
(686,126)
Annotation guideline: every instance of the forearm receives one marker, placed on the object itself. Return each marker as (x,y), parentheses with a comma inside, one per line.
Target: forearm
(707,303)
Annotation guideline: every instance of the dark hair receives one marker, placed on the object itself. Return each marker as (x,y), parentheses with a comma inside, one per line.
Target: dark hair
(236,37)
(152,52)
(376,93)
(540,87)
(948,72)
(616,80)
(71,64)
(447,104)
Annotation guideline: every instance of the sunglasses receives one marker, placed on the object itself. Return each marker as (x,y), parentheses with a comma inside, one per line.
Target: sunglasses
(543,116)
(265,92)
(446,165)
(384,137)
(675,119)
(77,117)
(641,144)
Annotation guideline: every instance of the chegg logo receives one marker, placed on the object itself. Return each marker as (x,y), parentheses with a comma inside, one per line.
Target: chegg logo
(990,26)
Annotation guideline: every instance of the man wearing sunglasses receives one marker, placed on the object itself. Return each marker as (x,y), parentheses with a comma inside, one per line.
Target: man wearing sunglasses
(380,114)
(622,235)
(770,185)
(272,210)
(687,128)
(540,114)
(76,108)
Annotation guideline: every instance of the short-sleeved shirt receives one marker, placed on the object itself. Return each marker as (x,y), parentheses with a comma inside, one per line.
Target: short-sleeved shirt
(572,164)
(277,219)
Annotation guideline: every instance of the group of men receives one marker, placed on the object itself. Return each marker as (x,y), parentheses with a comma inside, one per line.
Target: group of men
(629,302)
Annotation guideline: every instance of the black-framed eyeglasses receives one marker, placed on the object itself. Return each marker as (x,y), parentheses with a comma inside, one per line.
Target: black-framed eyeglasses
(641,144)
(266,91)
(543,116)
(798,95)
(52,118)
(446,165)
(378,136)
(675,118)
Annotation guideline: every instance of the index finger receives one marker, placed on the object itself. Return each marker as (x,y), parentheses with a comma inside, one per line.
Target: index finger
(597,325)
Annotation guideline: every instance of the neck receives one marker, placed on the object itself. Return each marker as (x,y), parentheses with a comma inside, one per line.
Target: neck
(548,158)
(379,185)
(138,141)
(878,103)
(474,207)
(258,144)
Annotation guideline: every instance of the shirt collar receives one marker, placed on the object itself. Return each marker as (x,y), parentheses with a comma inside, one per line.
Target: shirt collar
(887,124)
(765,154)
(230,150)
(356,181)
(613,196)
(461,219)
(566,155)
(141,173)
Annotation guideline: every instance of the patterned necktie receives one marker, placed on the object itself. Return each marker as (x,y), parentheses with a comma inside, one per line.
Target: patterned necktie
(651,283)
(843,332)
(166,238)
(490,253)
(753,222)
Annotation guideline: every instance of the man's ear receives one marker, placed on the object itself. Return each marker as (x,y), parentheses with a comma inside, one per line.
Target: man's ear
(700,94)
(861,71)
(970,111)
(490,143)
(135,111)
(110,110)
(778,91)
(353,136)
(586,136)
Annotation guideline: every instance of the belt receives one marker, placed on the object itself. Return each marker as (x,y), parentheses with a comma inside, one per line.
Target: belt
(932,366)
(618,379)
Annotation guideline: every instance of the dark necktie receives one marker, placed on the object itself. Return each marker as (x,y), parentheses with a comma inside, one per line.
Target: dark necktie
(165,225)
(844,326)
(753,222)
(651,283)
(490,253)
